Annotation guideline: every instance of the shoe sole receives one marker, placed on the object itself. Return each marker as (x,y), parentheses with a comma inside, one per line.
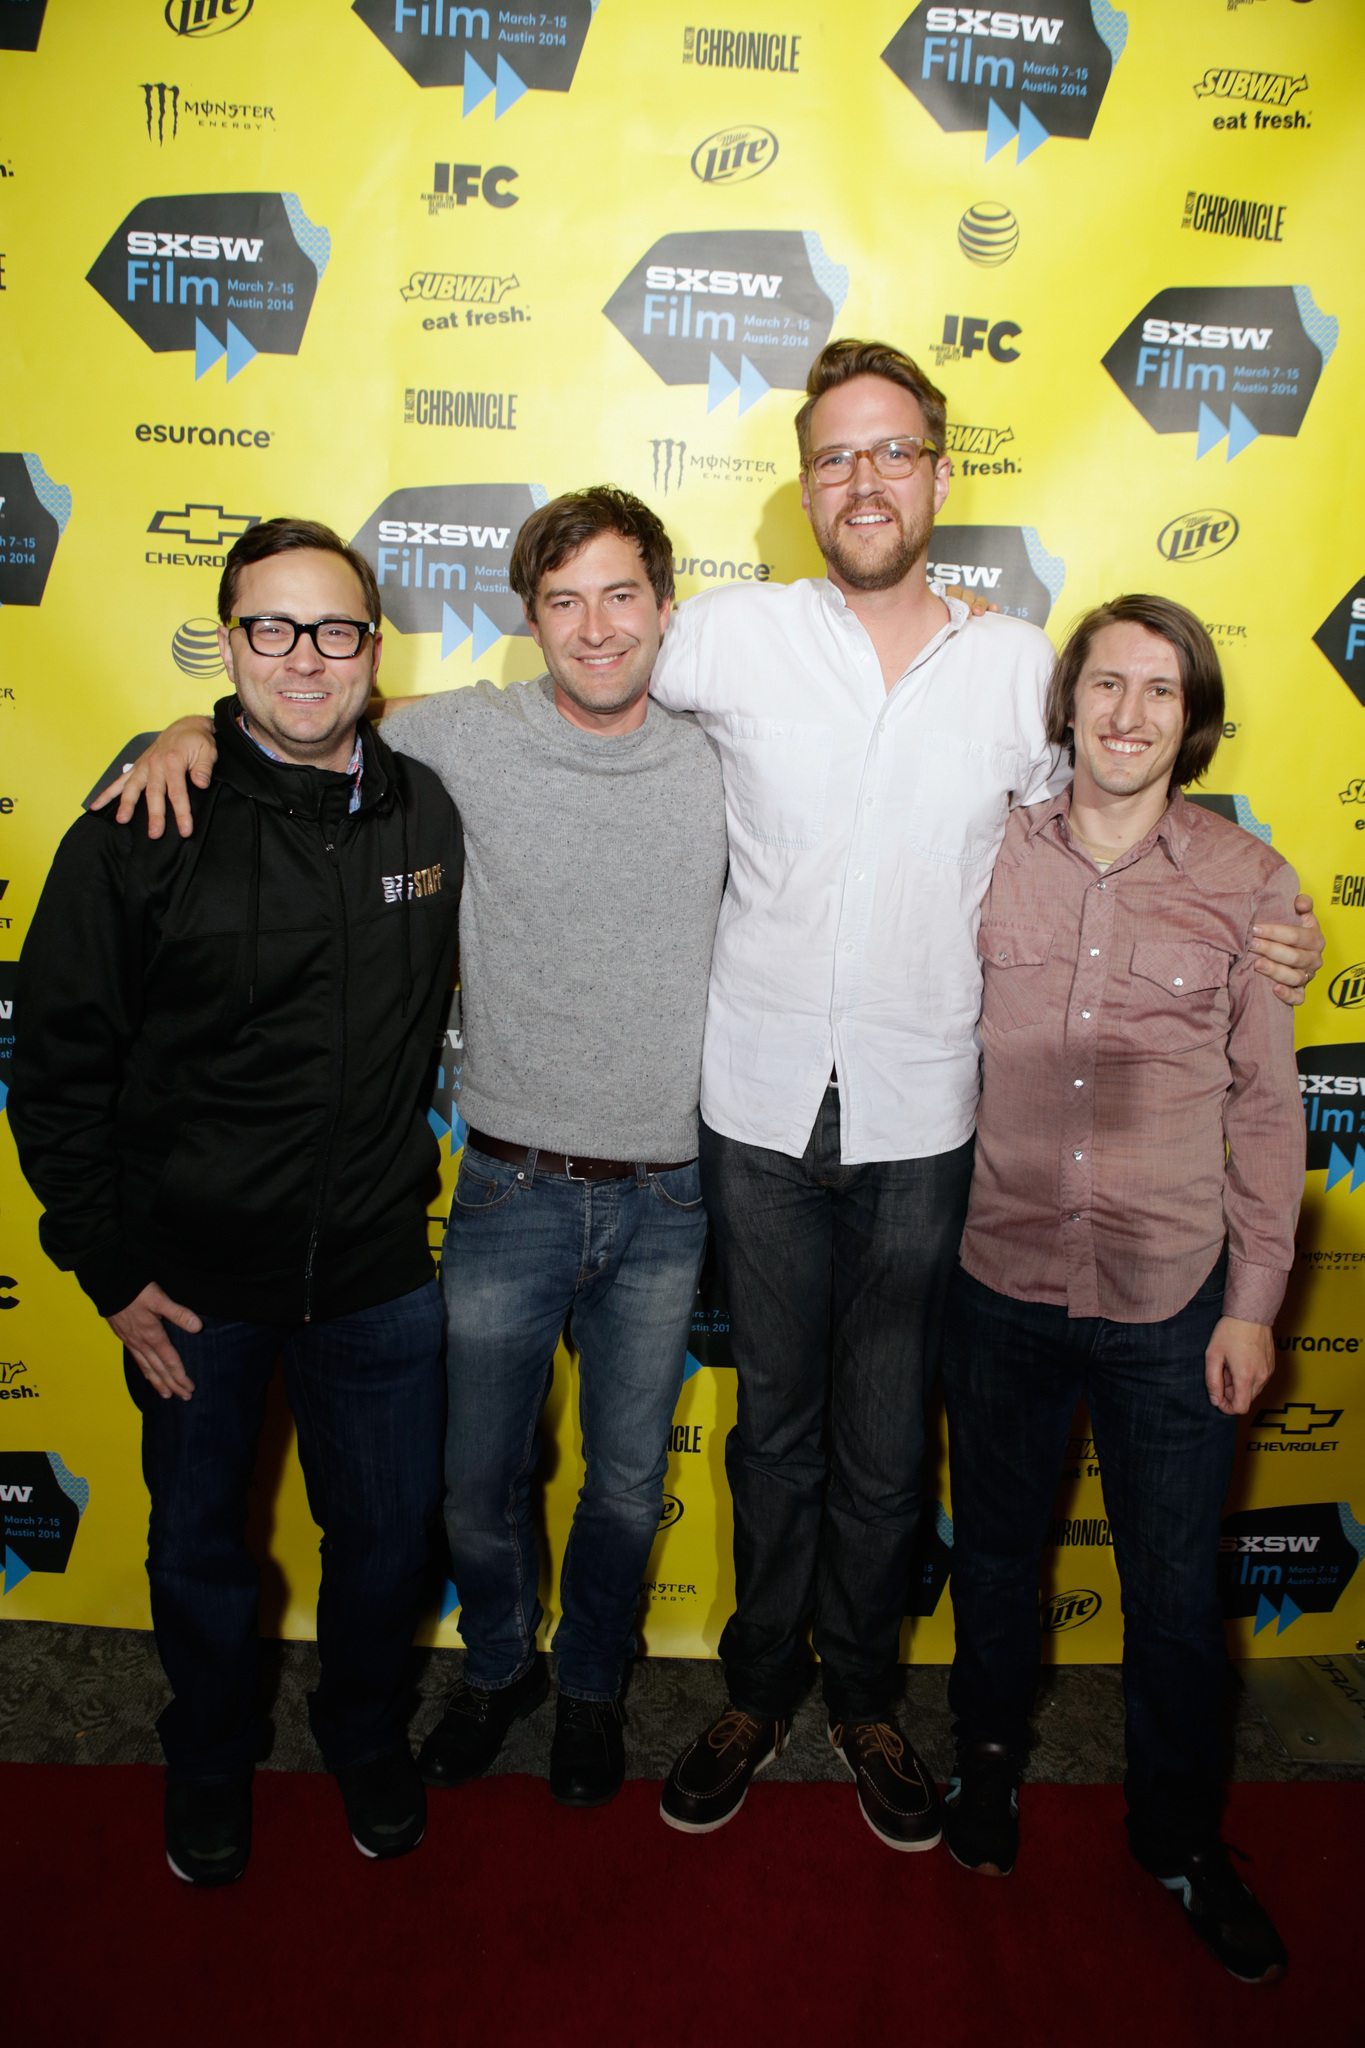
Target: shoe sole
(906,1848)
(386,1855)
(203,1884)
(522,1713)
(605,1800)
(708,1827)
(979,1869)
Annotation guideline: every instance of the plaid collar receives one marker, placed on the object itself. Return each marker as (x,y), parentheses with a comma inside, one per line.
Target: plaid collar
(355,767)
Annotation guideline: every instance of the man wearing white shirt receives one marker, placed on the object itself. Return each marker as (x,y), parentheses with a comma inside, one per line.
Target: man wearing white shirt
(873,737)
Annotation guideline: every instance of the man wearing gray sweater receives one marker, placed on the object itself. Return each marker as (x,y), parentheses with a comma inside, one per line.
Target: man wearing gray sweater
(595,856)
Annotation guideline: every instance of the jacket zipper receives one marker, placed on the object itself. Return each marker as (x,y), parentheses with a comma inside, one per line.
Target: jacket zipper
(324,1163)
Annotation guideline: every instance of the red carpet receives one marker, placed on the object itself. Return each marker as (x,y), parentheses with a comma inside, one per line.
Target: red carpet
(517,1922)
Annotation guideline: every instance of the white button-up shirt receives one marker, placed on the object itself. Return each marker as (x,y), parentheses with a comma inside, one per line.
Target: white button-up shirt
(863,826)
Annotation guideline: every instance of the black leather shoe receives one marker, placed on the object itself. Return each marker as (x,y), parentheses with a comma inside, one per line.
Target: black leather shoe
(707,1785)
(474,1726)
(1224,1913)
(208,1830)
(897,1796)
(386,1804)
(588,1755)
(981,1809)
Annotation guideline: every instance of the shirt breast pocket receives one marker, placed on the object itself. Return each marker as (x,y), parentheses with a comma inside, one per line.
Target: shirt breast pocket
(958,796)
(775,776)
(1015,958)
(1177,995)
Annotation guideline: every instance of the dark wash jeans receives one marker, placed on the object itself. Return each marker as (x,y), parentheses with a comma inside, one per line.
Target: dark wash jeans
(836,1277)
(526,1255)
(1013,1372)
(368,1396)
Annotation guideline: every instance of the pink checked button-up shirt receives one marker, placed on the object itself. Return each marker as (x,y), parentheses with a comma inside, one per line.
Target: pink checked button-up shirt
(1140,1098)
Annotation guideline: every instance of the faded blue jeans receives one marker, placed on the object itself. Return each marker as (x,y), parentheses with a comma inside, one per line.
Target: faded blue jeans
(529,1255)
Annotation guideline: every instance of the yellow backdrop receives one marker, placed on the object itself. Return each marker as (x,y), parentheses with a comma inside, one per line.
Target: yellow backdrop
(410,267)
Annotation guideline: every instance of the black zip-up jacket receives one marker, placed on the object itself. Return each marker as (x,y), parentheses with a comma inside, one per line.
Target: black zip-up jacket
(225,1044)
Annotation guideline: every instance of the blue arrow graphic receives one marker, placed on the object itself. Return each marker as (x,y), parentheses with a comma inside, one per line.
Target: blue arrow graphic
(719,384)
(239,351)
(1032,134)
(1241,433)
(207,349)
(1000,130)
(1288,1613)
(477,84)
(485,633)
(1358,1171)
(454,631)
(751,384)
(15,1569)
(691,1365)
(1211,431)
(450,1599)
(1265,1614)
(1339,1166)
(510,87)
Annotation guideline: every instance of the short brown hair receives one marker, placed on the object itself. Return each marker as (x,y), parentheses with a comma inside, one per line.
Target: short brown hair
(282,537)
(840,361)
(1201,678)
(558,530)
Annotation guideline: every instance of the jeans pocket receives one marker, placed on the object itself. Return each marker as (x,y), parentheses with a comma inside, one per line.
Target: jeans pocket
(484,1184)
(680,1188)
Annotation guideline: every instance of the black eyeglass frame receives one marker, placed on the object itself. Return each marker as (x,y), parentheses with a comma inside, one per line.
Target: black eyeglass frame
(311,628)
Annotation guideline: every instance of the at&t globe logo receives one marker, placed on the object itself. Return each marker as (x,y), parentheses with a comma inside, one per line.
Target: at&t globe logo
(194,648)
(988,234)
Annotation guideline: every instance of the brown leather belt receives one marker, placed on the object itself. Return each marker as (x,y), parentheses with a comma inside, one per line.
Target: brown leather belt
(565,1165)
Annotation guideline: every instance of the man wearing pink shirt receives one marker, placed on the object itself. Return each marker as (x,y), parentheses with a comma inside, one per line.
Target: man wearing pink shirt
(1139,1163)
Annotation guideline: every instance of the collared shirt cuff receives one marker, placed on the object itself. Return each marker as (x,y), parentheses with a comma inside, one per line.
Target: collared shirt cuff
(1253,1293)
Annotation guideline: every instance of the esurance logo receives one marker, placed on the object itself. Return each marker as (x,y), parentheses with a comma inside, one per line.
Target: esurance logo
(221,273)
(1225,363)
(1332,1088)
(1341,637)
(1008,565)
(744,311)
(1197,536)
(1026,75)
(441,554)
(1069,1610)
(502,51)
(41,1505)
(33,516)
(205,17)
(1280,1563)
(734,155)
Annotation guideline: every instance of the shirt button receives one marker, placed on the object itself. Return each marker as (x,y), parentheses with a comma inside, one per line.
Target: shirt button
(1002,956)
(1178,982)
(868,801)
(849,947)
(1094,952)
(1075,1155)
(1085,1013)
(1075,1216)
(1078,1084)
(1102,885)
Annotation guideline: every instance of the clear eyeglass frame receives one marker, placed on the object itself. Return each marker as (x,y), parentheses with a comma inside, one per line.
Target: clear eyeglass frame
(892,460)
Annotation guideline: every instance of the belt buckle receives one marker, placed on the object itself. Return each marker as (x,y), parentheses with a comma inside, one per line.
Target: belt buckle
(569,1174)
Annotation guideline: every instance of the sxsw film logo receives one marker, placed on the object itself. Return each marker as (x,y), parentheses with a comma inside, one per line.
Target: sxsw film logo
(444,1113)
(1236,809)
(1332,1089)
(222,273)
(734,155)
(1197,536)
(1341,637)
(1225,362)
(206,17)
(1008,564)
(441,554)
(1026,75)
(33,516)
(1281,1563)
(41,1505)
(487,50)
(743,310)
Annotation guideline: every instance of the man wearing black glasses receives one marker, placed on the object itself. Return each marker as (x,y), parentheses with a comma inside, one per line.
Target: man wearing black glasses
(223,1110)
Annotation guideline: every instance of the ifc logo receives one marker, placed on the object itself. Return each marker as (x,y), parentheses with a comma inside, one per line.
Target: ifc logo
(734,155)
(988,234)
(1197,536)
(194,648)
(1069,1610)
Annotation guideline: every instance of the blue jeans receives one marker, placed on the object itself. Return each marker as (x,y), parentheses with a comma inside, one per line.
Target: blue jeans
(836,1277)
(368,1395)
(1013,1372)
(528,1254)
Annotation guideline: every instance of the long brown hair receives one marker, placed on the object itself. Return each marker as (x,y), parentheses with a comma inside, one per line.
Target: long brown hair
(1201,678)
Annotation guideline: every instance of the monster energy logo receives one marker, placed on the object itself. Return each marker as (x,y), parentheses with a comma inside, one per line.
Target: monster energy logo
(666,455)
(162,94)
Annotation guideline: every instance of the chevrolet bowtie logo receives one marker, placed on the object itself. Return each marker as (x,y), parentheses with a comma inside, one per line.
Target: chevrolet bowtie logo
(208,526)
(1298,1418)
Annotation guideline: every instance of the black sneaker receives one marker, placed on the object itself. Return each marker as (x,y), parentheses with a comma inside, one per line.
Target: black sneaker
(208,1830)
(897,1796)
(707,1784)
(474,1726)
(981,1809)
(588,1755)
(386,1804)
(1225,1914)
